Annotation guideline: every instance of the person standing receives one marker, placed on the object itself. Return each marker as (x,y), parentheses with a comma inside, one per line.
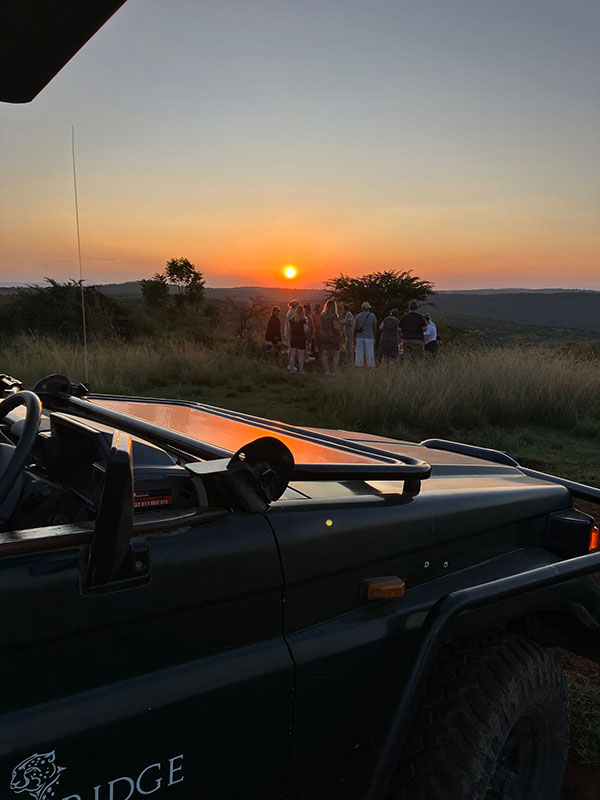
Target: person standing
(298,332)
(316,318)
(348,331)
(292,306)
(331,335)
(430,336)
(388,343)
(413,327)
(273,332)
(365,326)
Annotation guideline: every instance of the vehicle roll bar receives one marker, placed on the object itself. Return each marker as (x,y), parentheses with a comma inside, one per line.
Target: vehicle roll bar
(58,393)
(579,490)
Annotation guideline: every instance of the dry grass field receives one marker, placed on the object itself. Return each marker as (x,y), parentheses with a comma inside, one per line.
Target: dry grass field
(540,404)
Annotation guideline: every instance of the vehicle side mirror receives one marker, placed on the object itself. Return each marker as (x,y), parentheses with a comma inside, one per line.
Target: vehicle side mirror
(117,559)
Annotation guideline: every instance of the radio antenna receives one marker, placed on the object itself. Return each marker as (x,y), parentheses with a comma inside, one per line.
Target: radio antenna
(85,353)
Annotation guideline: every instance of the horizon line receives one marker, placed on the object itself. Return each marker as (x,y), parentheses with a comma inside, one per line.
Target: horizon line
(287,288)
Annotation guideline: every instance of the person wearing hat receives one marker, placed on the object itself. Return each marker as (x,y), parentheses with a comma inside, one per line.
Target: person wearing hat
(365,326)
(413,326)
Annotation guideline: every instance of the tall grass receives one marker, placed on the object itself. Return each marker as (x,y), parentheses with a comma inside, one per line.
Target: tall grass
(505,387)
(138,367)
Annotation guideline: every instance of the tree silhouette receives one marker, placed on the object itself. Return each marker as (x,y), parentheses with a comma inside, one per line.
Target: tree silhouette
(384,290)
(181,273)
(55,310)
(155,291)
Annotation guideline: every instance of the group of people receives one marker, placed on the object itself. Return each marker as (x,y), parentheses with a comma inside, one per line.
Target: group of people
(325,333)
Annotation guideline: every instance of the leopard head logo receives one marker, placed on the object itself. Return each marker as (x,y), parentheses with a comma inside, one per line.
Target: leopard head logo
(37,775)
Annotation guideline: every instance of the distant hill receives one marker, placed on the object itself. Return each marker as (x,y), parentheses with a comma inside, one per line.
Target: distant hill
(274,295)
(128,289)
(569,310)
(494,332)
(515,290)
(563,309)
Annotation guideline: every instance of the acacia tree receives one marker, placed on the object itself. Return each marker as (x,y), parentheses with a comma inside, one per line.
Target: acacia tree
(181,273)
(384,290)
(189,284)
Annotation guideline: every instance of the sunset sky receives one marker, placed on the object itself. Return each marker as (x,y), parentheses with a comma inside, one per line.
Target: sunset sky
(457,138)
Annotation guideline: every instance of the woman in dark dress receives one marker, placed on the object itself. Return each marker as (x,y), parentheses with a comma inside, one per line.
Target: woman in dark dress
(273,332)
(388,342)
(298,331)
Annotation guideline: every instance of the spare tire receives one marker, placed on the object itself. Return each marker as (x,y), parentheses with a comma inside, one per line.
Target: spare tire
(493,725)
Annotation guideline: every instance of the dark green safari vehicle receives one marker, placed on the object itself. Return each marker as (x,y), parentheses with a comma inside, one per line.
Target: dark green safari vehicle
(203,604)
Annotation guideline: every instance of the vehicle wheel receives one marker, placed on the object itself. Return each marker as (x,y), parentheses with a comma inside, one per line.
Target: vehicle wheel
(493,725)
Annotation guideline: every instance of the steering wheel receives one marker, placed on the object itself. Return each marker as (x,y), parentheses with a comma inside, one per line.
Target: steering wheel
(19,457)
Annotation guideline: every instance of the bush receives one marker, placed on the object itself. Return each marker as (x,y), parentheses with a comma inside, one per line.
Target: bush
(583,351)
(55,310)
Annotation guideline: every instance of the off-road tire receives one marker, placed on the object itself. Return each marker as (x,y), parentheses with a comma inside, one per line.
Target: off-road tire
(493,725)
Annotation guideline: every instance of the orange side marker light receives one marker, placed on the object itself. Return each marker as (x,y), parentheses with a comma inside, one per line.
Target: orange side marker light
(385,590)
(594,539)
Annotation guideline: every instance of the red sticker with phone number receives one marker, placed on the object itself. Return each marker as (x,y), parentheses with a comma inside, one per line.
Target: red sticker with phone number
(151,499)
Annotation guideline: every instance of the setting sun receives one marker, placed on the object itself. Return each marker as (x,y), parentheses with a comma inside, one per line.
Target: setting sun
(290,271)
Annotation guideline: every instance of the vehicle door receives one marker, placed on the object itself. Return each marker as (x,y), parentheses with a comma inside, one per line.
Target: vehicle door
(351,655)
(180,687)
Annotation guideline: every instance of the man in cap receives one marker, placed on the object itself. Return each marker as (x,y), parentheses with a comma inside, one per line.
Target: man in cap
(365,326)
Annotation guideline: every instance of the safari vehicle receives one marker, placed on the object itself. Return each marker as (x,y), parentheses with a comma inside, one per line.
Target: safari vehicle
(198,603)
(202,603)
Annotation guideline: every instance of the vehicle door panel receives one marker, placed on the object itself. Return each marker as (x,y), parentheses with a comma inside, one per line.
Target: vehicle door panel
(192,664)
(350,655)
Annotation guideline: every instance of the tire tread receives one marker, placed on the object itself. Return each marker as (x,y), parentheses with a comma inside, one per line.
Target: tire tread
(478,686)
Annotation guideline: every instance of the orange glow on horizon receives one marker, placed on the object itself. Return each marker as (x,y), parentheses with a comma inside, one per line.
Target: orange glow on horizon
(471,248)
